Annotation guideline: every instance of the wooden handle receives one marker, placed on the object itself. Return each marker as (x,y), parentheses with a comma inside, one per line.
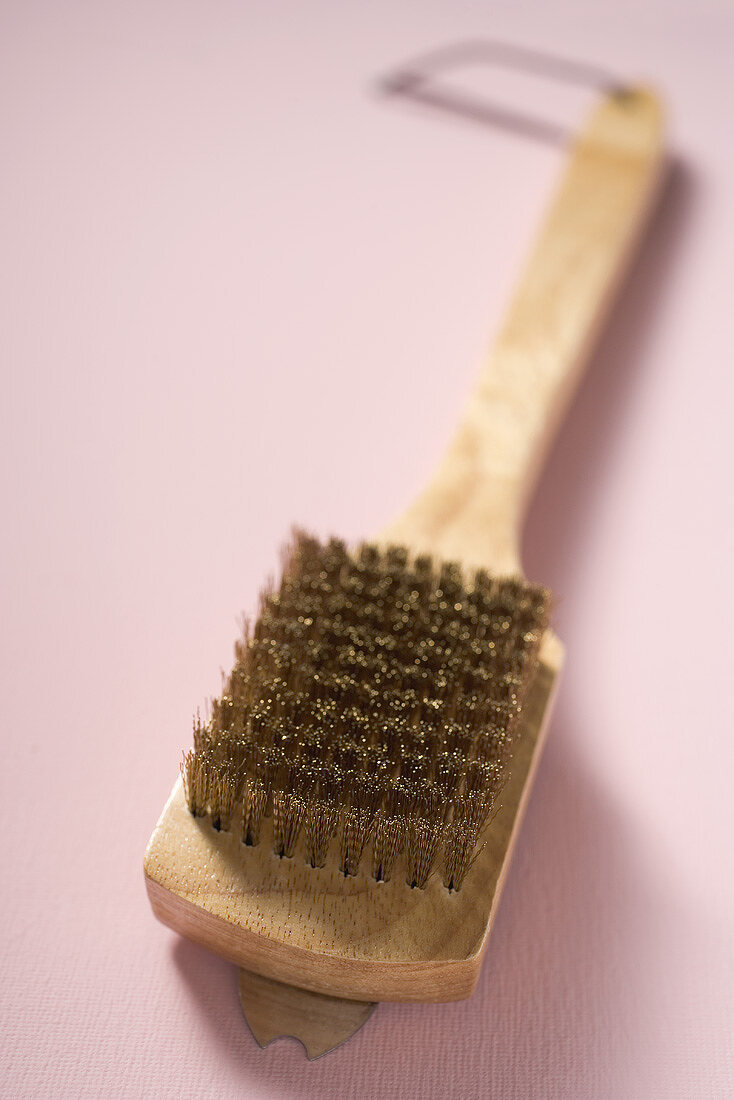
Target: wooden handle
(473,508)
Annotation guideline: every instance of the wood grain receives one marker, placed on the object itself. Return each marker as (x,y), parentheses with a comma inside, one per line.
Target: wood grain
(355,938)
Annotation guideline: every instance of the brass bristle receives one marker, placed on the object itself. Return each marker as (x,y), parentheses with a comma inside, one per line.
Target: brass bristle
(373,706)
(288,811)
(319,826)
(254,802)
(223,795)
(423,835)
(387,844)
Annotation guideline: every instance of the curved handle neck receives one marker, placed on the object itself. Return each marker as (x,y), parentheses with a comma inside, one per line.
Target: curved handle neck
(473,508)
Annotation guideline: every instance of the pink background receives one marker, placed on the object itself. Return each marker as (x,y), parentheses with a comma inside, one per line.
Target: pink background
(240,289)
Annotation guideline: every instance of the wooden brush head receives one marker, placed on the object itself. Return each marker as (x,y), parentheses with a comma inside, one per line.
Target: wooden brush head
(347,936)
(367,734)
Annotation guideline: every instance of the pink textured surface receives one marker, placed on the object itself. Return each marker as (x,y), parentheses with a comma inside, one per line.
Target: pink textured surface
(240,290)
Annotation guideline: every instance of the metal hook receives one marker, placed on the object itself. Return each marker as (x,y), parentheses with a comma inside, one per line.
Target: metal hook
(417,80)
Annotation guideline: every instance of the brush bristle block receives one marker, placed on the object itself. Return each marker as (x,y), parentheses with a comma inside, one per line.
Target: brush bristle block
(370,716)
